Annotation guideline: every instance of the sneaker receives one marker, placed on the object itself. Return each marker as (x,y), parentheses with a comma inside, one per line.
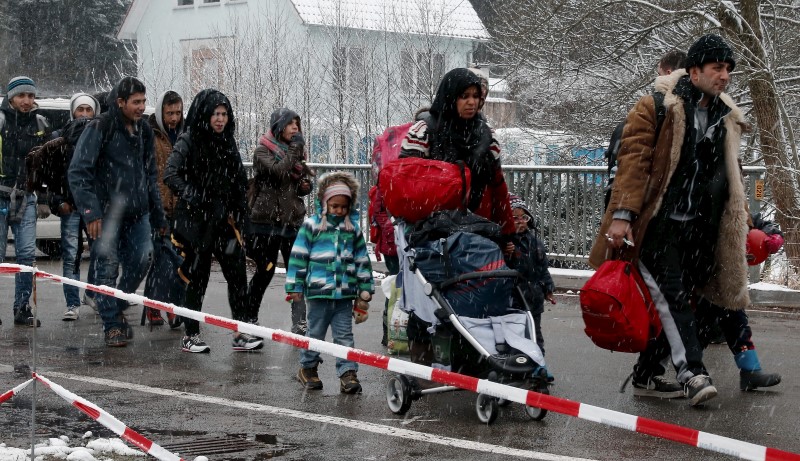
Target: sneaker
(246,342)
(751,380)
(154,317)
(116,338)
(309,378)
(194,344)
(91,302)
(348,383)
(300,328)
(699,389)
(657,386)
(71,313)
(24,316)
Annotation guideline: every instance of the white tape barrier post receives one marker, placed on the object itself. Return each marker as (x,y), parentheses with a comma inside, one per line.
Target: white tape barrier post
(692,437)
(112,423)
(16,390)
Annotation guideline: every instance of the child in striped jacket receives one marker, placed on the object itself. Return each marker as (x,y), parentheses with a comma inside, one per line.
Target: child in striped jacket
(330,267)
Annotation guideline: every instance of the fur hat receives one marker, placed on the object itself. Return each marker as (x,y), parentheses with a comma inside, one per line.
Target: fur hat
(19,85)
(332,184)
(709,48)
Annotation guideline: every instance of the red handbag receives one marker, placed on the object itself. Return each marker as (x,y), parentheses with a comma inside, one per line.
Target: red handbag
(617,308)
(413,188)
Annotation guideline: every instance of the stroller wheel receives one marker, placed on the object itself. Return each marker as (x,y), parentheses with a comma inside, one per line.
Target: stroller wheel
(536,413)
(398,394)
(503,402)
(487,409)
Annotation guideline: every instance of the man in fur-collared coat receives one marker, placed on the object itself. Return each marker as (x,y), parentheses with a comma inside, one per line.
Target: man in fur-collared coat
(679,198)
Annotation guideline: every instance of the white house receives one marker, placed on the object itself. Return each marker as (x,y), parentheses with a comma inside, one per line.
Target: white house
(348,67)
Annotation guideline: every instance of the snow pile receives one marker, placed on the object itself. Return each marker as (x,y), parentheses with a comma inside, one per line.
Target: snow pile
(59,448)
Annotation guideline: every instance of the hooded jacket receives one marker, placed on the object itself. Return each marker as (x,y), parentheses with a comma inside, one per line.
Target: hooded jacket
(646,168)
(113,171)
(206,172)
(441,134)
(19,133)
(330,262)
(163,147)
(276,205)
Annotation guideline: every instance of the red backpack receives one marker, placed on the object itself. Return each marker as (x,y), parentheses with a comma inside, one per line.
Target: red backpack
(386,149)
(617,308)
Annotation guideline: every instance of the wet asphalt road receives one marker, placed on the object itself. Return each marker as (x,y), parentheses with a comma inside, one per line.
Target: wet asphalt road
(251,403)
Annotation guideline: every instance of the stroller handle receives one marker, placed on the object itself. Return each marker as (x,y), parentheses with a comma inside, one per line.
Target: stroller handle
(503,273)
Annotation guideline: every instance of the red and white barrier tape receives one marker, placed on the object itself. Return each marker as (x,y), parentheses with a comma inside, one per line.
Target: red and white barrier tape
(673,432)
(14,391)
(112,423)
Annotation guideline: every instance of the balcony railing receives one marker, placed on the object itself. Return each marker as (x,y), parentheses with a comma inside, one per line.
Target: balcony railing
(566,201)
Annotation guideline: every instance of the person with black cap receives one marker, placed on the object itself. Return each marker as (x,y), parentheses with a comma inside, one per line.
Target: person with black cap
(21,129)
(678,210)
(275,198)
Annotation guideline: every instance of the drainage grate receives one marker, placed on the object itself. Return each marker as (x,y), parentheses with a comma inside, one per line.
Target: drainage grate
(265,446)
(213,446)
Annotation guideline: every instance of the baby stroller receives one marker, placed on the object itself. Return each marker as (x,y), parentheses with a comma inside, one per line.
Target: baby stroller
(468,317)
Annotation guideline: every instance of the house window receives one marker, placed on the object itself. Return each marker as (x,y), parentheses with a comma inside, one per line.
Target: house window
(349,72)
(210,1)
(420,71)
(185,2)
(205,69)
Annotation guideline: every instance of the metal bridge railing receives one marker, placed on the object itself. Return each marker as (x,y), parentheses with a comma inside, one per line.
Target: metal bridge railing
(566,201)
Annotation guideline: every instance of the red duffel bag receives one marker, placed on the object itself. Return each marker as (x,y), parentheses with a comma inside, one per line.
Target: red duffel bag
(413,188)
(617,308)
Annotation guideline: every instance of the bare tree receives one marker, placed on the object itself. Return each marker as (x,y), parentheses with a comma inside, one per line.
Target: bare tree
(579,65)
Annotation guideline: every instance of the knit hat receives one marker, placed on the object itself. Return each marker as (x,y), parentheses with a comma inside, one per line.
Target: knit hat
(19,85)
(337,188)
(80,99)
(517,202)
(709,48)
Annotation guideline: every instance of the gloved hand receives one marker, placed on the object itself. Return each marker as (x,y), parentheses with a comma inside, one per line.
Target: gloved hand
(773,242)
(42,210)
(360,308)
(298,140)
(304,187)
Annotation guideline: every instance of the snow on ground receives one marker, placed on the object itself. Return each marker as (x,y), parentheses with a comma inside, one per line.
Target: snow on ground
(95,450)
(764,286)
(99,449)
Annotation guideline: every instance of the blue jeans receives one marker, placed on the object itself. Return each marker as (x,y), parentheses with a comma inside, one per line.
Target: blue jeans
(338,313)
(123,242)
(70,255)
(24,244)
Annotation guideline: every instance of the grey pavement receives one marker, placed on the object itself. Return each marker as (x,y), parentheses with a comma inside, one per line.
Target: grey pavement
(251,403)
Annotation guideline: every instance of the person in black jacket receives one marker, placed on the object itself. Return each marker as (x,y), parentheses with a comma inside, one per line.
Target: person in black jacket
(205,171)
(112,177)
(529,258)
(21,129)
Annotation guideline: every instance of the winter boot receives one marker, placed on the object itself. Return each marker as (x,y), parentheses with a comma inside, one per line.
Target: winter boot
(750,375)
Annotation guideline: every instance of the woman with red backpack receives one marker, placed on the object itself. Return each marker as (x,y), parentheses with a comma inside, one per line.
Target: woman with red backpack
(453,130)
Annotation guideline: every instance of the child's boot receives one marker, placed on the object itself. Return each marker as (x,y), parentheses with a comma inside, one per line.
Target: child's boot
(750,375)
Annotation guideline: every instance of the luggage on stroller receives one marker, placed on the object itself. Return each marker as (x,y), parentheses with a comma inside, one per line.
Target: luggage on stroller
(458,293)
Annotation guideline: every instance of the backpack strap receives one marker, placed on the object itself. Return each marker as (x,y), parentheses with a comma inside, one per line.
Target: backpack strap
(661,111)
